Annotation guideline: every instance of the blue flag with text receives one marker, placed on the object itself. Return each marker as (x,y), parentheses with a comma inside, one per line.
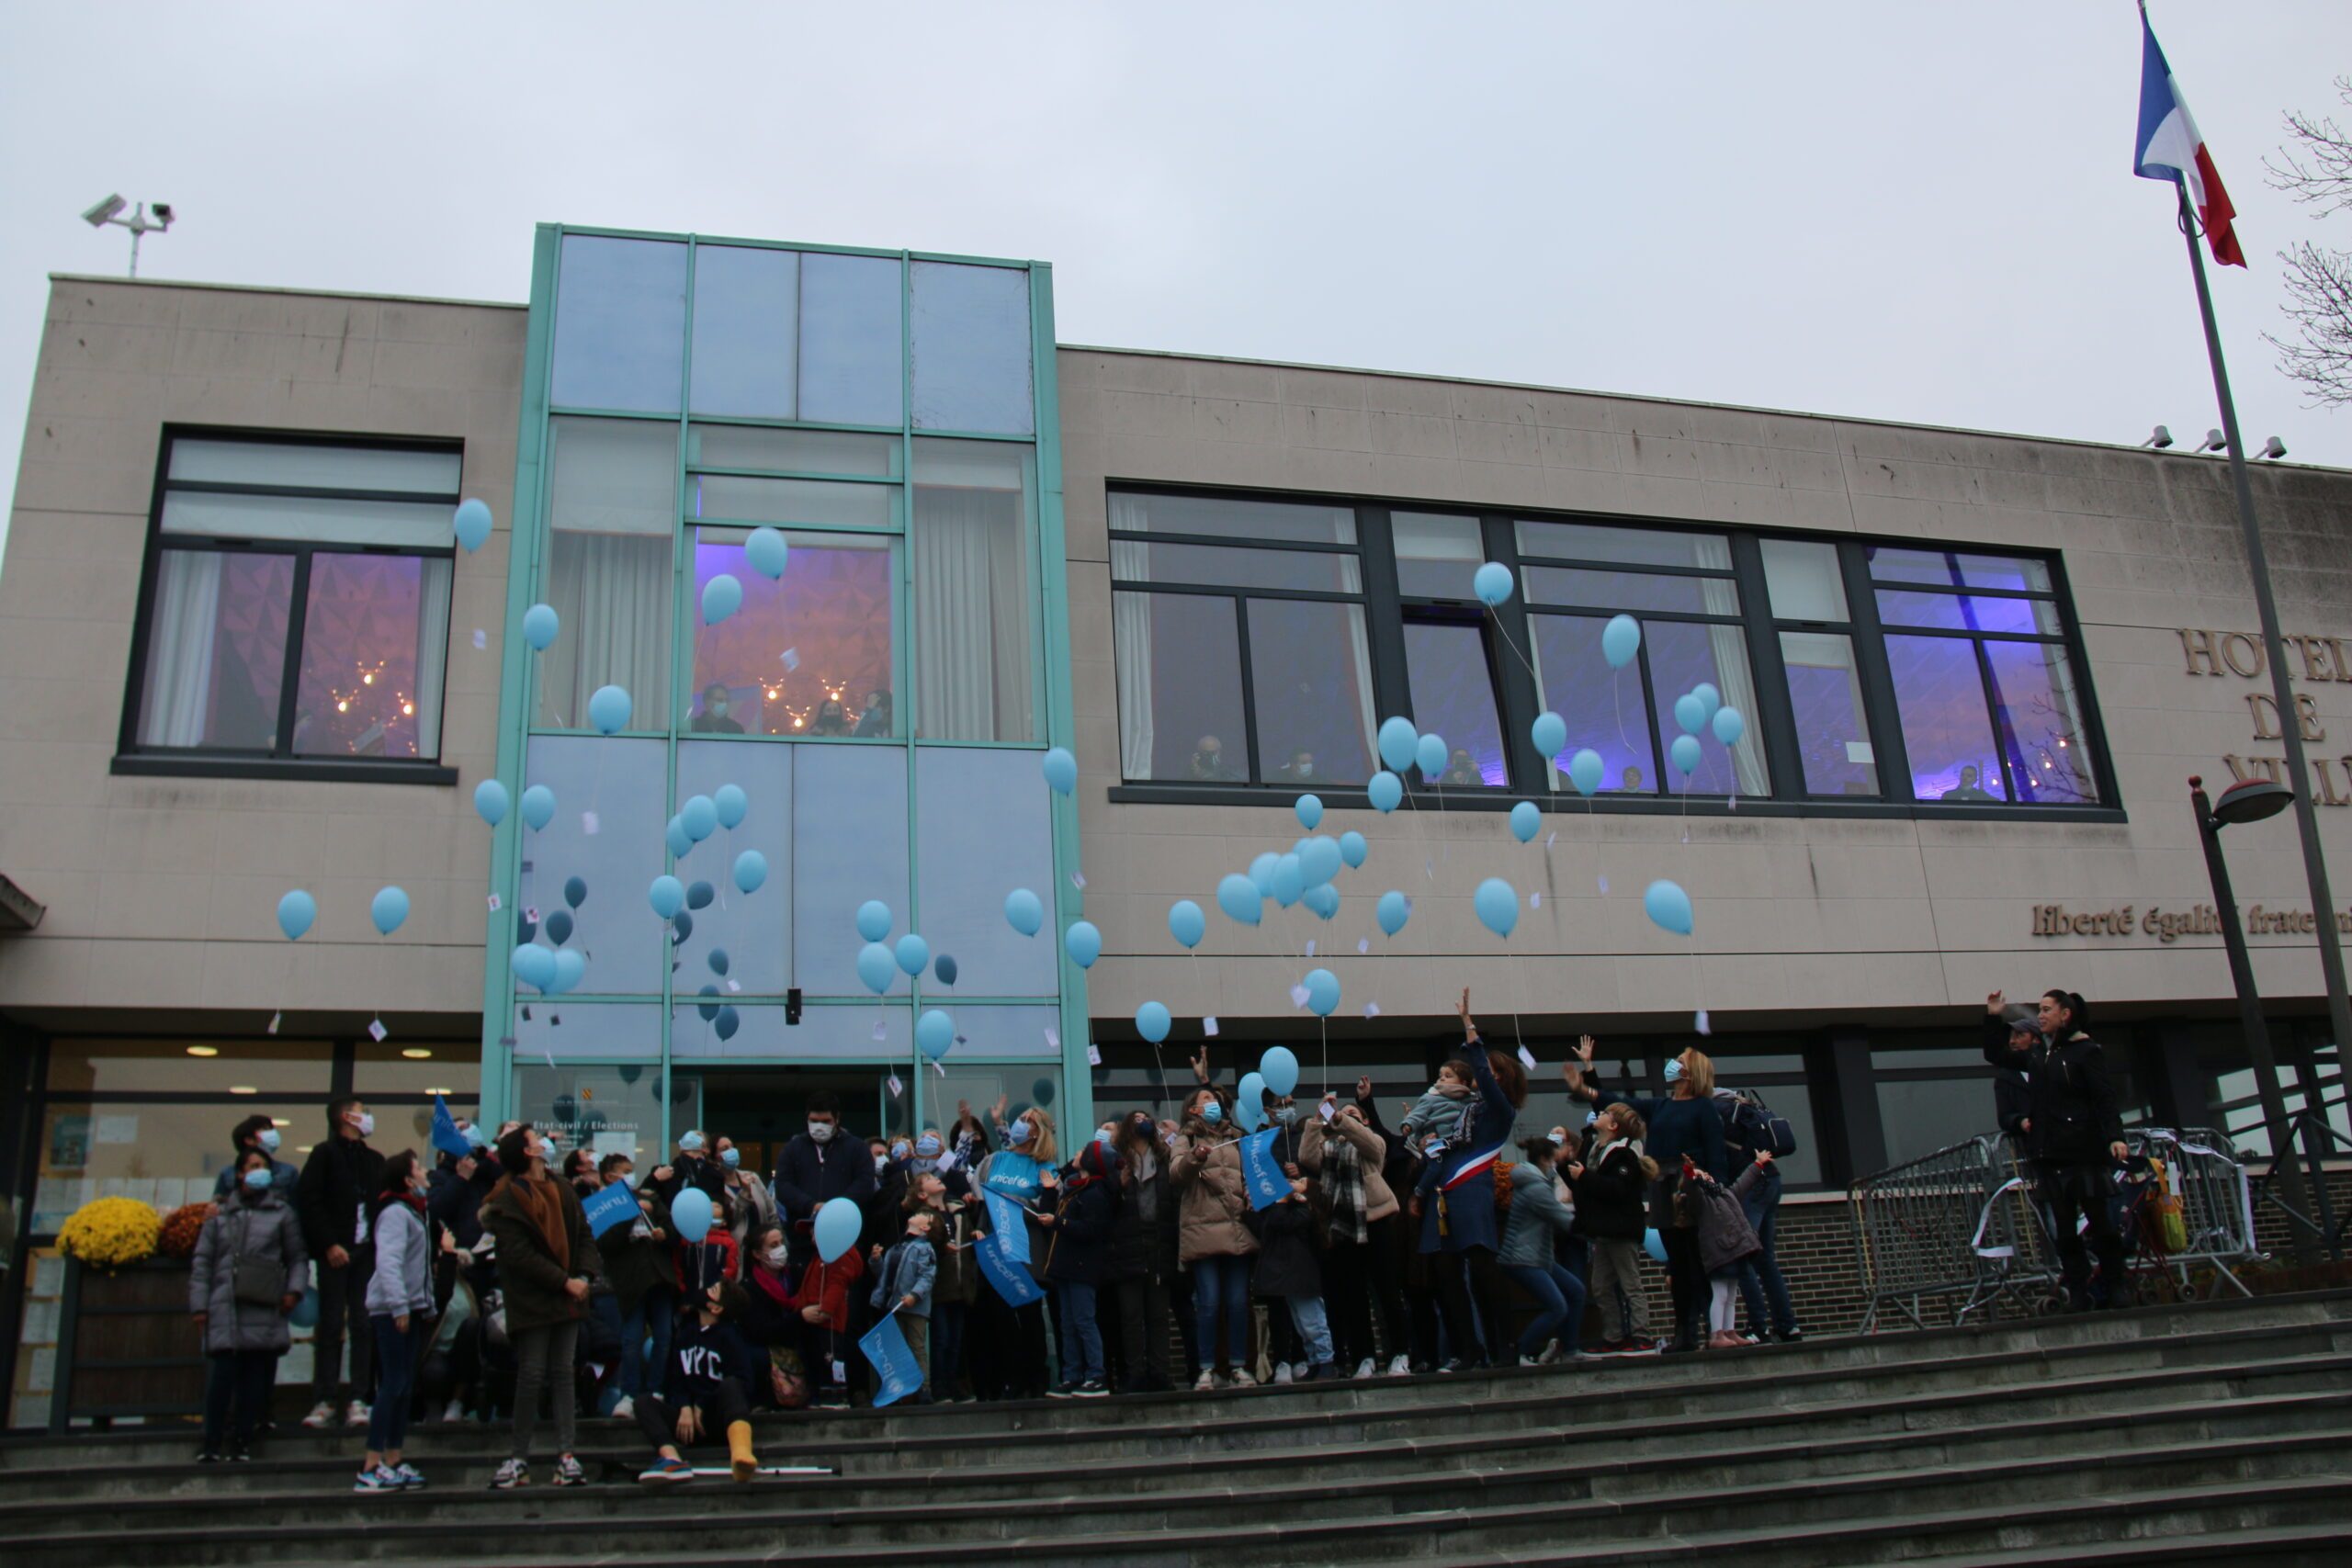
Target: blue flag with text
(1010,1280)
(887,1353)
(1268,1185)
(609,1205)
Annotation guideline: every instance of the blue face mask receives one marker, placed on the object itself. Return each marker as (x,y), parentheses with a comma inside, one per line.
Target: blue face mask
(730,1158)
(1212,1113)
(899,1149)
(257,1180)
(1674,1070)
(927,1146)
(1105,1139)
(1018,1133)
(269,1140)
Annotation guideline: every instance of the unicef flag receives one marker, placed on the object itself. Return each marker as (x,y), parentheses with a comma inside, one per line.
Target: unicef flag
(1009,1279)
(608,1206)
(886,1352)
(1268,1185)
(446,1135)
(1009,1221)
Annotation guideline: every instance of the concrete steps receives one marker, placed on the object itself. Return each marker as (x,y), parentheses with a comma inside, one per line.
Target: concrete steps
(2154,1428)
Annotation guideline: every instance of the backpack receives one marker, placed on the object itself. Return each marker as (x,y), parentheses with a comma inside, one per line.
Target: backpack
(1752,1125)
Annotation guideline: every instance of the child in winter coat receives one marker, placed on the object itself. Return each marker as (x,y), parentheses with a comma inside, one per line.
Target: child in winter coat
(1288,1271)
(822,1301)
(1078,1241)
(1726,1238)
(1438,1112)
(904,1285)
(1611,1184)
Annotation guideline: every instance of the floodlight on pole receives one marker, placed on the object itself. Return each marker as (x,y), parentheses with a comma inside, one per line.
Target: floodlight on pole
(139,222)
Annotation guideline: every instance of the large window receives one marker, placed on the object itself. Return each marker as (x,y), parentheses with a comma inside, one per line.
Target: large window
(612,514)
(969,558)
(297,603)
(1260,641)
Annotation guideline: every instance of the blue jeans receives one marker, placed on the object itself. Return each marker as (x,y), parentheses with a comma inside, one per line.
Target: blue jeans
(1221,1287)
(656,1313)
(397,1355)
(1081,1336)
(1760,1277)
(1559,1306)
(1314,1328)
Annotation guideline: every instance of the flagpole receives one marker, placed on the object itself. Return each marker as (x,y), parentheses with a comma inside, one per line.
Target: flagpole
(2299,780)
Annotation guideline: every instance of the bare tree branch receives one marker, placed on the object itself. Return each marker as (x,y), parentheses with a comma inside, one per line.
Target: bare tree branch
(2315,168)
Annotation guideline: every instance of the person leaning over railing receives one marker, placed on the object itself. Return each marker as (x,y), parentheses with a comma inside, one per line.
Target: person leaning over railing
(2073,1135)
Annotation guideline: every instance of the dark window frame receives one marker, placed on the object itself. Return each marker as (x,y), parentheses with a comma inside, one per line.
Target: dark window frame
(1386,610)
(280,760)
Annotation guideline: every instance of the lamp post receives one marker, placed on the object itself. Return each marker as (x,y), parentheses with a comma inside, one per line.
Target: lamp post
(2251,800)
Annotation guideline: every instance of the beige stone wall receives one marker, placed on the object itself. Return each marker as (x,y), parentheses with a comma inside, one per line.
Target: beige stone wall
(162,892)
(1807,918)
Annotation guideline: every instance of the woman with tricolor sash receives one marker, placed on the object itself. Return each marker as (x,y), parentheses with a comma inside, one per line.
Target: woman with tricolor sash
(1455,1205)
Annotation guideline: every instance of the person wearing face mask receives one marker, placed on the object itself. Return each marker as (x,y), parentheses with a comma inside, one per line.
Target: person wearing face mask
(331,1198)
(1345,1156)
(547,1259)
(1458,1218)
(643,1272)
(706,1392)
(1140,1259)
(817,1167)
(714,719)
(885,1210)
(1213,1238)
(695,1168)
(254,1133)
(756,1206)
(1077,1240)
(399,1315)
(1208,760)
(248,1275)
(1007,1344)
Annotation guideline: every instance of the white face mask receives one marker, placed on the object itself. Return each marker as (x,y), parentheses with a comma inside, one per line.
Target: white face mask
(822,1132)
(627,1178)
(881,1164)
(367,1124)
(773,1257)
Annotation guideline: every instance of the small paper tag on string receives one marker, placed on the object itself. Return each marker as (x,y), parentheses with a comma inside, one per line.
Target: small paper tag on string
(734,985)
(589,825)
(840,1373)
(549,1055)
(1078,880)
(1372,1010)
(790,658)
(1208,1026)
(1686,835)
(1093,1055)
(897,1088)
(881,1030)
(1326,1110)
(496,903)
(1552,839)
(1298,995)
(1604,885)
(1734,801)
(1363,944)
(1535,899)
(1053,1038)
(275,1019)
(943,1073)
(531,913)
(1429,868)
(1310,949)
(1704,1028)
(376,1031)
(481,637)
(1527,1058)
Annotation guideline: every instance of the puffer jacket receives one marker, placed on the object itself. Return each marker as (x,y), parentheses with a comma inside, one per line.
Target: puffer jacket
(403,1281)
(532,1281)
(1537,1216)
(1078,1241)
(1138,1236)
(1287,1263)
(1724,1235)
(1205,1167)
(260,1230)
(1379,1199)
(1610,1193)
(2070,1097)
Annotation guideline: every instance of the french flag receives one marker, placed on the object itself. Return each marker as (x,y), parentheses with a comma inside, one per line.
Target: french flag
(2171,148)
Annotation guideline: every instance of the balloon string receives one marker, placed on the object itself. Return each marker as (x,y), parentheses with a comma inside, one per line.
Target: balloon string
(1496,616)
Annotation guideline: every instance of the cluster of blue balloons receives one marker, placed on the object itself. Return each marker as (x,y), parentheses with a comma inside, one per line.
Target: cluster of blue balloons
(297,911)
(1701,709)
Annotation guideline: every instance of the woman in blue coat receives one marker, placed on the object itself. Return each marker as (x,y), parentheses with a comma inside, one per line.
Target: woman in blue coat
(1455,1205)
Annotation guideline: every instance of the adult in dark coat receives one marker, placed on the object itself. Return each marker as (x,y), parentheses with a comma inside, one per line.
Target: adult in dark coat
(1143,1256)
(2073,1135)
(338,1180)
(1078,1242)
(1458,1228)
(817,1167)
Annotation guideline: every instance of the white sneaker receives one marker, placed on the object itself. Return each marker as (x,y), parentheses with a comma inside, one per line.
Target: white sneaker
(1282,1375)
(357,1416)
(1401,1367)
(455,1412)
(321,1414)
(1365,1368)
(1243,1380)
(1206,1381)
(1529,1361)
(625,1409)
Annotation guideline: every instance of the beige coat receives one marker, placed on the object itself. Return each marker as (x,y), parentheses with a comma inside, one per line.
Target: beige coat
(1206,1168)
(1379,1202)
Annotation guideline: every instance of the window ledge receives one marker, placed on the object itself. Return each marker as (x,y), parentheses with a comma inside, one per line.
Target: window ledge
(1351,798)
(313,769)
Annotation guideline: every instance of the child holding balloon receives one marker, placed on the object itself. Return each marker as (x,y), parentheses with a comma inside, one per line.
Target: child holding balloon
(823,1301)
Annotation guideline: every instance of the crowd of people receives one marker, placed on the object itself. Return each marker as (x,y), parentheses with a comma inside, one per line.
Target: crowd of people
(473,1287)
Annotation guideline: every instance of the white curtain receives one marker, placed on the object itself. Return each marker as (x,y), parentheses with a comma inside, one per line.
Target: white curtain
(181,642)
(1729,646)
(432,653)
(971,616)
(1131,639)
(1359,642)
(611,595)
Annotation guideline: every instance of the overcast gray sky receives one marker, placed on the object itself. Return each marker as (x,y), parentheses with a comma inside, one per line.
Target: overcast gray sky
(1899,210)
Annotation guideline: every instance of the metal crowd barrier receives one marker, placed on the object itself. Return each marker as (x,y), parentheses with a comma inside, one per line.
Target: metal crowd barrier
(1963,1222)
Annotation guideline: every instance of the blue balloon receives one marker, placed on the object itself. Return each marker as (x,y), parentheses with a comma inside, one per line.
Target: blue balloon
(680,841)
(1083,944)
(1392,910)
(491,801)
(1240,898)
(1310,810)
(1319,859)
(575,891)
(666,894)
(945,967)
(570,967)
(1387,791)
(874,920)
(1323,899)
(534,966)
(1668,906)
(296,914)
(690,1213)
(1710,698)
(1585,770)
(1526,821)
(700,816)
(767,552)
(1550,733)
(1249,1101)
(913,955)
(471,524)
(608,710)
(1496,902)
(876,967)
(1353,849)
(1491,583)
(540,625)
(727,1022)
(721,597)
(708,1011)
(1022,911)
(701,896)
(306,1311)
(1186,923)
(1430,755)
(1690,713)
(1322,997)
(1278,1067)
(936,1032)
(1398,738)
(1684,753)
(1653,1244)
(1620,640)
(751,870)
(1729,725)
(539,807)
(731,804)
(682,926)
(718,961)
(1152,1022)
(1290,880)
(1061,770)
(838,1224)
(559,926)
(1261,873)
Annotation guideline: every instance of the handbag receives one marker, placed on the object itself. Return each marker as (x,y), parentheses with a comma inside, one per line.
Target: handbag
(254,1282)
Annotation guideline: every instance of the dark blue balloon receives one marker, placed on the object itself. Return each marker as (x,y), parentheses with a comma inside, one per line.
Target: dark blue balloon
(699,895)
(575,892)
(1044,1090)
(682,926)
(718,961)
(729,1022)
(708,1010)
(946,969)
(559,924)
(524,927)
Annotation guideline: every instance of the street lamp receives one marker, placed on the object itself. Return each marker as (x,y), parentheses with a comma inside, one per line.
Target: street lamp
(2252,800)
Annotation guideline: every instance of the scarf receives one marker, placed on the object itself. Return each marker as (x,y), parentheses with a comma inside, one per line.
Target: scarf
(542,1204)
(1343,1186)
(771,1287)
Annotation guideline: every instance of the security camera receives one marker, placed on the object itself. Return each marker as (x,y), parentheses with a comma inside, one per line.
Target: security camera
(2160,440)
(2273,449)
(99,216)
(162,209)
